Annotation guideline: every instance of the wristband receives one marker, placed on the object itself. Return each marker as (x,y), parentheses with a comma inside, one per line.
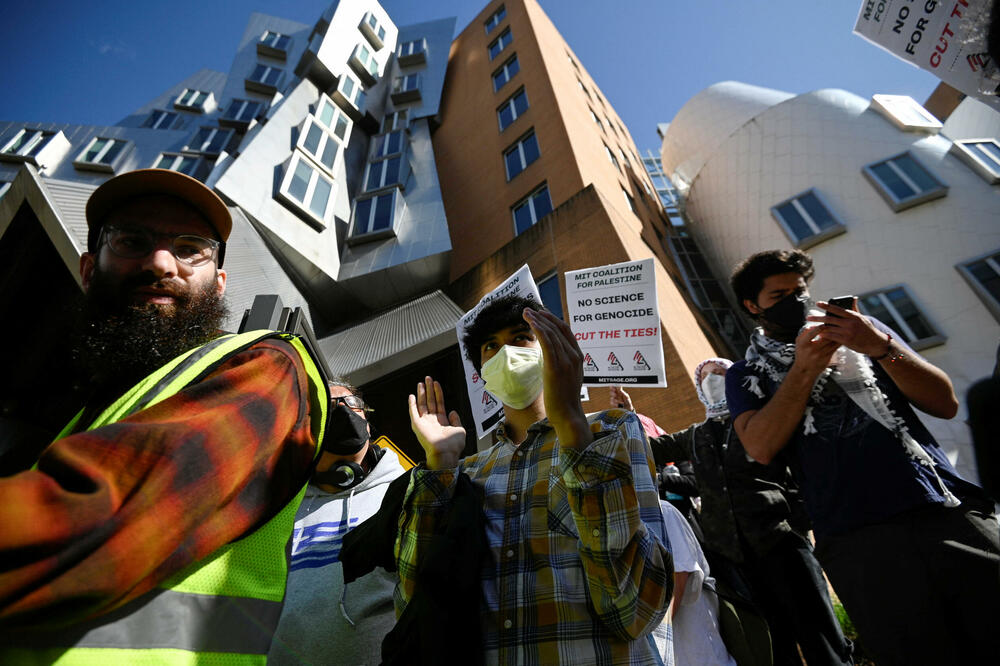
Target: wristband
(889,355)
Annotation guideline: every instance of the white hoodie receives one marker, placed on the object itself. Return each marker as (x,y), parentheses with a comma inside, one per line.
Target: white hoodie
(313,629)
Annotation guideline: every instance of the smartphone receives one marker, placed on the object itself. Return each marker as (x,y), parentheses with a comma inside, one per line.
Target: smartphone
(846,302)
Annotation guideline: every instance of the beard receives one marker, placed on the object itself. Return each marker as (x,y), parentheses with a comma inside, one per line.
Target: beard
(121,341)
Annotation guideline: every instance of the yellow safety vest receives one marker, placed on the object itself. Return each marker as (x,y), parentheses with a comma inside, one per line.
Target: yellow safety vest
(221,610)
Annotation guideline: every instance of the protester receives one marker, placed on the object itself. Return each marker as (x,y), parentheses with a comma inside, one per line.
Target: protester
(694,609)
(325,621)
(911,548)
(754,527)
(165,507)
(579,571)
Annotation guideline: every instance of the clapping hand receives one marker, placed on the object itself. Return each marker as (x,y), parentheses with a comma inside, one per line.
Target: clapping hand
(440,434)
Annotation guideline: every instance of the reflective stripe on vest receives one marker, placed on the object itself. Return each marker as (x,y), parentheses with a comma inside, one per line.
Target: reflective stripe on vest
(223,609)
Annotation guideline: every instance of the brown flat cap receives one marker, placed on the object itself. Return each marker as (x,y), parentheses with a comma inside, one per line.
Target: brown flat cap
(119,189)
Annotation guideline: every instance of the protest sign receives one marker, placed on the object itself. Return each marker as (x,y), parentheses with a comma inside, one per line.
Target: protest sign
(614,314)
(487,411)
(946,38)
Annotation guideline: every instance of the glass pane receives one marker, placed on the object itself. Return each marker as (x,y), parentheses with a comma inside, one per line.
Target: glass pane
(313,137)
(116,147)
(218,141)
(300,181)
(908,311)
(383,212)
(499,78)
(872,306)
(506,116)
(258,73)
(513,160)
(521,102)
(395,142)
(347,86)
(916,173)
(821,217)
(95,148)
(987,277)
(392,171)
(374,176)
(495,49)
(542,203)
(548,289)
(513,68)
(522,218)
(164,162)
(988,151)
(187,165)
(362,211)
(199,100)
(530,145)
(326,113)
(320,197)
(329,154)
(892,182)
(793,220)
(341,129)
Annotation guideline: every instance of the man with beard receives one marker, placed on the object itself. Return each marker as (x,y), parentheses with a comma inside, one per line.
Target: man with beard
(155,526)
(912,549)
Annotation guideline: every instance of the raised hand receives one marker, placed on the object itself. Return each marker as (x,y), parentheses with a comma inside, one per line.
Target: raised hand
(440,434)
(851,329)
(621,398)
(813,352)
(563,376)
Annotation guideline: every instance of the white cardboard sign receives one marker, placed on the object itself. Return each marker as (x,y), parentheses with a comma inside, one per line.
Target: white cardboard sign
(614,315)
(944,37)
(487,411)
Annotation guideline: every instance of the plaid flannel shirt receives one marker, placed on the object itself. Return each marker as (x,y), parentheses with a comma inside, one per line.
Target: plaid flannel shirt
(111,512)
(579,573)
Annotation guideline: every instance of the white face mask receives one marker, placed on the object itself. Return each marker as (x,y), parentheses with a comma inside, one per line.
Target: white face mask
(514,375)
(714,388)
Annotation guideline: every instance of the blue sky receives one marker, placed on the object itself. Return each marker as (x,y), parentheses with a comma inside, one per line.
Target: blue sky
(94,63)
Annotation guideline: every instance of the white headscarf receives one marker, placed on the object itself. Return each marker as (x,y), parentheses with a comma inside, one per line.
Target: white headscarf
(712,409)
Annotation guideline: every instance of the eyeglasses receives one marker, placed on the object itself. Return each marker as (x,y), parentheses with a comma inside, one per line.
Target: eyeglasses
(135,243)
(352,401)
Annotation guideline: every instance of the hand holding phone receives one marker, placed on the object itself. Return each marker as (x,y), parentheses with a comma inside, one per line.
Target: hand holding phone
(846,302)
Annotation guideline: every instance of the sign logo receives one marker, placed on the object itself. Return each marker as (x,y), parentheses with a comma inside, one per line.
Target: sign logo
(588,362)
(639,361)
(489,402)
(613,363)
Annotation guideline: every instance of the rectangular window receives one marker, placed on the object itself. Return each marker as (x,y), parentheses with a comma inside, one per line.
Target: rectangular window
(373,31)
(185,164)
(274,41)
(100,153)
(264,79)
(596,119)
(611,157)
(351,90)
(983,155)
(387,144)
(364,63)
(210,140)
(531,209)
(193,100)
(572,61)
(160,119)
(394,121)
(520,155)
(512,109)
(412,48)
(406,89)
(505,73)
(306,187)
(983,275)
(28,142)
(583,88)
(806,220)
(894,307)
(494,20)
(629,201)
(334,118)
(500,43)
(241,111)
(383,173)
(905,113)
(374,214)
(317,142)
(548,289)
(903,182)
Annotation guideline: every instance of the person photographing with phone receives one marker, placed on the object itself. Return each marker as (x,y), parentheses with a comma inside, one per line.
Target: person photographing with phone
(908,544)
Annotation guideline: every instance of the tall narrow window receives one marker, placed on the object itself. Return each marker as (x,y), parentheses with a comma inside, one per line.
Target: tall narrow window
(495,18)
(505,73)
(307,188)
(521,154)
(500,43)
(531,209)
(374,214)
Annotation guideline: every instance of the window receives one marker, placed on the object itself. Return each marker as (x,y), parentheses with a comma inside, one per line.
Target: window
(210,141)
(185,164)
(505,73)
(28,143)
(334,118)
(610,124)
(625,159)
(611,157)
(4,186)
(317,142)
(383,173)
(374,214)
(100,154)
(583,88)
(495,18)
(903,182)
(273,43)
(388,144)
(412,53)
(521,154)
(500,43)
(351,91)
(572,61)
(983,275)
(531,209)
(193,100)
(394,121)
(894,307)
(240,112)
(373,30)
(629,201)
(512,109)
(548,289)
(983,155)
(806,220)
(364,63)
(904,112)
(406,89)
(596,119)
(263,79)
(306,187)
(160,119)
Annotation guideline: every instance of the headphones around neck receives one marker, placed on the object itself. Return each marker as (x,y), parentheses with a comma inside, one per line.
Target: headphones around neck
(348,474)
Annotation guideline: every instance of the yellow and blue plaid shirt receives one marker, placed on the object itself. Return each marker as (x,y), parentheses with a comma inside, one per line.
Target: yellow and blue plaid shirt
(580,572)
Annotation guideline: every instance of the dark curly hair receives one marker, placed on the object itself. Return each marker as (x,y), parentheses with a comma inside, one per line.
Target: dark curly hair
(497,315)
(748,277)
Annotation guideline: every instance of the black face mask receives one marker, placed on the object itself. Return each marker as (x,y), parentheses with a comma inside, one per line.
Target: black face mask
(346,432)
(788,315)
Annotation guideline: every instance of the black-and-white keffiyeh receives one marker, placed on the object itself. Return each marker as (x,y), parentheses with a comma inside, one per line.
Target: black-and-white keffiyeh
(853,373)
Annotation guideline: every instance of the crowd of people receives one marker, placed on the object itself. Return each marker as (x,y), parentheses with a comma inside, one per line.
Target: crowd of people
(218,500)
